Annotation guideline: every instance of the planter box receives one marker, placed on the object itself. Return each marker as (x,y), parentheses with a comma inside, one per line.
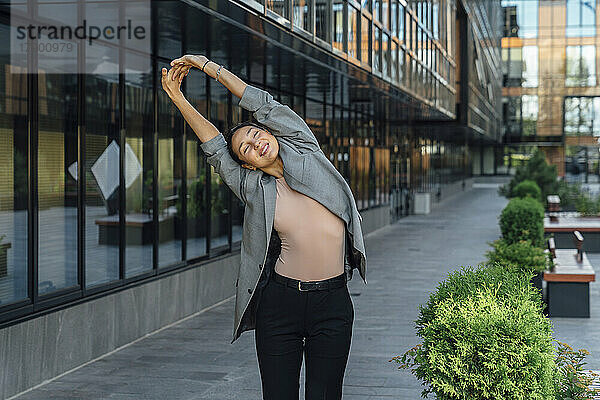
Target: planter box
(566,225)
(422,203)
(4,258)
(568,289)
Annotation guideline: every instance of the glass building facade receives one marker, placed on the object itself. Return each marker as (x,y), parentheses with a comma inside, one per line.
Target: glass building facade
(398,94)
(551,97)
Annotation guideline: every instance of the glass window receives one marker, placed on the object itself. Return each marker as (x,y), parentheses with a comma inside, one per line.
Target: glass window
(314,120)
(386,55)
(581,18)
(353,32)
(527,16)
(101,207)
(394,18)
(322,19)
(196,214)
(366,4)
(279,7)
(385,13)
(511,109)
(13,182)
(419,43)
(365,38)
(338,25)
(57,187)
(530,66)
(302,14)
(513,59)
(394,58)
(377,50)
(529,111)
(219,191)
(581,66)
(401,66)
(401,15)
(377,9)
(582,116)
(170,148)
(139,211)
(435,16)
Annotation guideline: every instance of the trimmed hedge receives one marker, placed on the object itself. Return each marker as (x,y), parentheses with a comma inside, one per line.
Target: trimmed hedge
(523,219)
(520,255)
(484,337)
(528,188)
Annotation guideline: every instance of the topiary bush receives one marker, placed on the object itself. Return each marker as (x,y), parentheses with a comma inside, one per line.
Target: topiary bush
(523,219)
(520,255)
(484,337)
(528,188)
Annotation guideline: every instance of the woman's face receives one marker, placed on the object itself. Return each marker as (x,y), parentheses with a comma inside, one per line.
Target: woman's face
(255,147)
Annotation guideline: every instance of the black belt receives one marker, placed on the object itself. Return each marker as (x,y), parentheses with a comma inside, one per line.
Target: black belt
(304,286)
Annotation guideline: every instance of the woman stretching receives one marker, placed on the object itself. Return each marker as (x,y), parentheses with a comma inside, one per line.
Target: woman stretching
(301,240)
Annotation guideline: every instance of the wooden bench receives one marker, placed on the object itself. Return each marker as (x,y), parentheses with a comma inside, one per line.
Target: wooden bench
(563,231)
(568,289)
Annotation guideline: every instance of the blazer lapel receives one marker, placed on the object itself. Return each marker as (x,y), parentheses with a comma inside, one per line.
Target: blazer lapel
(270,197)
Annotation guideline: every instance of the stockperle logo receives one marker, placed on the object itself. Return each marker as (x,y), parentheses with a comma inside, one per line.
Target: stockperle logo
(80,36)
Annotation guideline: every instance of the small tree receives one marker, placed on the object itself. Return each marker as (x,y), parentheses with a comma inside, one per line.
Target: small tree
(523,219)
(528,188)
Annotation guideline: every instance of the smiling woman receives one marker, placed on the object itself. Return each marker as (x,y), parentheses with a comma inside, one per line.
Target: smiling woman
(301,227)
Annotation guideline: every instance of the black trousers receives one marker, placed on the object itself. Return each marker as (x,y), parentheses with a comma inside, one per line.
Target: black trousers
(291,324)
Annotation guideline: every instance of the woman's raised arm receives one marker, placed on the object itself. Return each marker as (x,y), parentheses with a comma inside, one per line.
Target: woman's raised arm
(213,143)
(171,83)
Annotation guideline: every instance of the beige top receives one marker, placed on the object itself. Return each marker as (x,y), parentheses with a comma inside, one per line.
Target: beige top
(312,237)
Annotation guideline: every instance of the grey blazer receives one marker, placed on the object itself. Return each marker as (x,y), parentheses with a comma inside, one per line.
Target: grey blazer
(306,170)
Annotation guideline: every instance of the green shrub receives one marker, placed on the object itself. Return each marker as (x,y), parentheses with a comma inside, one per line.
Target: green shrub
(523,219)
(573,383)
(520,255)
(569,193)
(587,205)
(484,337)
(538,170)
(528,188)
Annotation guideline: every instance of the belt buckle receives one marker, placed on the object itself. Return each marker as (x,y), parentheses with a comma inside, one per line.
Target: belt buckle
(300,289)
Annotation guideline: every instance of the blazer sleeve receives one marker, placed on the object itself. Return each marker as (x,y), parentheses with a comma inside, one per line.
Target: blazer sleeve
(232,173)
(281,119)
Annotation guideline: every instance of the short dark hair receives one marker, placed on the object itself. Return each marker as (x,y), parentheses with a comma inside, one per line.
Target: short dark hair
(229,135)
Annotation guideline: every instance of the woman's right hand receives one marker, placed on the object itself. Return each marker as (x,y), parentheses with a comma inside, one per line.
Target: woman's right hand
(190,60)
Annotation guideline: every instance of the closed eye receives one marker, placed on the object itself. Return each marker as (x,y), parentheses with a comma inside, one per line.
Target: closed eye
(246,148)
